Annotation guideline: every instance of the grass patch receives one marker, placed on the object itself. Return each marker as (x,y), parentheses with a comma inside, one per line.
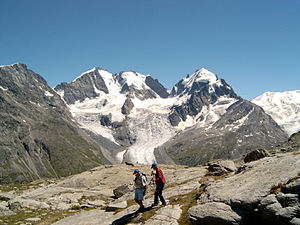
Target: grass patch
(16,187)
(147,215)
(131,202)
(187,201)
(47,216)
(277,188)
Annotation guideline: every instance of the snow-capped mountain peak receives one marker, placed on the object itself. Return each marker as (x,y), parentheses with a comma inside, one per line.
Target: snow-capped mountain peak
(202,75)
(95,70)
(201,80)
(133,79)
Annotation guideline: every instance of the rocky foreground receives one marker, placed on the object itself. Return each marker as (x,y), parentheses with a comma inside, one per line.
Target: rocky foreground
(263,191)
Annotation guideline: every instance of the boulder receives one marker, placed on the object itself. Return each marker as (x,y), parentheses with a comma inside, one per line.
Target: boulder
(248,192)
(64,206)
(220,167)
(121,190)
(256,155)
(279,208)
(4,210)
(293,187)
(214,213)
(3,205)
(166,216)
(116,205)
(18,203)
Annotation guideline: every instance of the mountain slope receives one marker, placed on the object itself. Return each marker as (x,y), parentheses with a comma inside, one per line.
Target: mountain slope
(284,107)
(241,129)
(38,137)
(136,113)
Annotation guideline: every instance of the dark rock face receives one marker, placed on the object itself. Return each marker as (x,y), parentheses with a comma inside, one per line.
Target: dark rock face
(156,87)
(122,134)
(83,87)
(37,135)
(105,120)
(127,107)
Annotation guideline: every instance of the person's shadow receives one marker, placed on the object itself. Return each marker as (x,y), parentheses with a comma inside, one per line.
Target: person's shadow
(127,218)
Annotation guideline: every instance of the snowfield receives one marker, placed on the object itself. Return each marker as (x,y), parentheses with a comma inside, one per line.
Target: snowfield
(284,107)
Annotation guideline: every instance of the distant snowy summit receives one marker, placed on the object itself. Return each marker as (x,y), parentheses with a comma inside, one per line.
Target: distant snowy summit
(284,107)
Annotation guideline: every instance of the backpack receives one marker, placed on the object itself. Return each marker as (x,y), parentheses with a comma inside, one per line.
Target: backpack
(145,177)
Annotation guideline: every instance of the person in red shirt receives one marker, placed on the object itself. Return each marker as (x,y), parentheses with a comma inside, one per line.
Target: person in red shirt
(160,184)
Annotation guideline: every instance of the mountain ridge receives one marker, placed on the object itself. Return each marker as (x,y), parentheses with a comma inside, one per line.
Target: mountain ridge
(134,115)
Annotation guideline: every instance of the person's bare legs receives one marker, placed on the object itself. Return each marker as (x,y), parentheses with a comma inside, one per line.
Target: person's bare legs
(140,202)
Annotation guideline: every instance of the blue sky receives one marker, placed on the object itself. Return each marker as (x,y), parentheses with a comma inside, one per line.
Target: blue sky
(253,45)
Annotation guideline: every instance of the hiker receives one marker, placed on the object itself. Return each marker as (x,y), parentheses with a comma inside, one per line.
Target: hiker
(160,184)
(140,183)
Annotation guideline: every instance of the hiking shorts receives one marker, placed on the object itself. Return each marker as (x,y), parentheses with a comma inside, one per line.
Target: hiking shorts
(139,194)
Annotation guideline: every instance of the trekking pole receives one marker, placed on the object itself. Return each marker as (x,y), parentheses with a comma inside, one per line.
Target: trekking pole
(152,179)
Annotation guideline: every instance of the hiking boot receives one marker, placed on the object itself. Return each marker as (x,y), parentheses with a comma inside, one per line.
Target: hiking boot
(154,205)
(165,203)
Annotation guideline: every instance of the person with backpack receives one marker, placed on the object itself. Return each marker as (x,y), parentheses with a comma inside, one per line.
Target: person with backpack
(140,183)
(160,184)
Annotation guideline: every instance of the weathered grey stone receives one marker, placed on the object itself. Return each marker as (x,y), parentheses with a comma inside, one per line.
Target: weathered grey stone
(293,187)
(3,205)
(96,203)
(246,189)
(7,213)
(295,221)
(214,213)
(251,187)
(287,200)
(166,216)
(288,213)
(268,208)
(36,219)
(220,167)
(19,203)
(70,197)
(116,205)
(279,208)
(256,155)
(121,190)
(14,205)
(63,206)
